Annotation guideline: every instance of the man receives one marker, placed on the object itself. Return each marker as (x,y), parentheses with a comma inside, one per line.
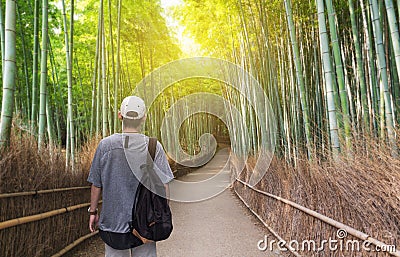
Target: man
(117,158)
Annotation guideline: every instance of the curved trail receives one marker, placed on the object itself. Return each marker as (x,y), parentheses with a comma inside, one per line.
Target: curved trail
(219,226)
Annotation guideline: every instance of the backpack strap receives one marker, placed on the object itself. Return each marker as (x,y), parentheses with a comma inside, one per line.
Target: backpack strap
(152,147)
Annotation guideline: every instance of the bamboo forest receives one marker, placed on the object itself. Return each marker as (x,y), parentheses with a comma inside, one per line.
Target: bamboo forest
(304,94)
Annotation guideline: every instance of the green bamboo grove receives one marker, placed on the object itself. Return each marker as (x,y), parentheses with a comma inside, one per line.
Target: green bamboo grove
(72,63)
(329,67)
(330,70)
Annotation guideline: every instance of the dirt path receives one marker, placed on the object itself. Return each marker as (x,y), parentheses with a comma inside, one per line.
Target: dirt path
(219,226)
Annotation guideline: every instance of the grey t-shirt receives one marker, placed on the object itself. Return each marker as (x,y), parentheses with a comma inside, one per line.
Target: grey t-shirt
(114,164)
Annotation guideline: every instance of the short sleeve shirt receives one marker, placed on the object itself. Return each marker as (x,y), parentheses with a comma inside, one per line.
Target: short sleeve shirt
(116,161)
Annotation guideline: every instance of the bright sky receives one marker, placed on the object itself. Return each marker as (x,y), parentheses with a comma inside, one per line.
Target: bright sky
(189,47)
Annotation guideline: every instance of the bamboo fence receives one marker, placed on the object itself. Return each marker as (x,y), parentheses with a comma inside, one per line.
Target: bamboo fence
(358,196)
(44,220)
(352,231)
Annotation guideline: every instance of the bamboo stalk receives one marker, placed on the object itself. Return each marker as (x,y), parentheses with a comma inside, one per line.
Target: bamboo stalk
(340,73)
(94,111)
(394,31)
(9,77)
(386,108)
(26,73)
(84,126)
(35,68)
(59,105)
(104,83)
(115,111)
(299,75)
(43,76)
(360,66)
(50,124)
(375,98)
(9,195)
(71,36)
(99,79)
(2,37)
(41,216)
(70,123)
(117,73)
(329,79)
(266,225)
(74,244)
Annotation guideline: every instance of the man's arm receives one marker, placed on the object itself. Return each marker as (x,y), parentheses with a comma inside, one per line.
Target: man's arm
(94,200)
(167,192)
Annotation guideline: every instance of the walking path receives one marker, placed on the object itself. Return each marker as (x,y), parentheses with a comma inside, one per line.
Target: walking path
(219,226)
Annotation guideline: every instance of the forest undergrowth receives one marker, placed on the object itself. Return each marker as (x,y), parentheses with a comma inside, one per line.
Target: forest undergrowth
(24,168)
(361,189)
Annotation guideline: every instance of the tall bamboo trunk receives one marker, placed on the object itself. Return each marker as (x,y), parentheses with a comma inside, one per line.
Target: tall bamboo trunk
(58,103)
(373,85)
(50,125)
(340,73)
(394,31)
(35,67)
(7,107)
(94,110)
(299,76)
(59,99)
(104,85)
(2,35)
(93,105)
(329,80)
(83,99)
(27,99)
(112,60)
(384,77)
(117,73)
(71,36)
(43,76)
(99,72)
(360,67)
(98,96)
(398,9)
(70,122)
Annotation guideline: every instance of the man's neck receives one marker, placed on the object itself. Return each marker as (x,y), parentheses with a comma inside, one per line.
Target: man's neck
(130,131)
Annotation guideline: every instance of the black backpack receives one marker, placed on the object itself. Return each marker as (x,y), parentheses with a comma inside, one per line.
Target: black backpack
(151,215)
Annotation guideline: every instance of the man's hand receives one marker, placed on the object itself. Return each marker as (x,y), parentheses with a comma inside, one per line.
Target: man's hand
(93,222)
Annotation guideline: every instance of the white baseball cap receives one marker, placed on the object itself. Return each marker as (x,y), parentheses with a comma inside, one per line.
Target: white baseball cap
(133,104)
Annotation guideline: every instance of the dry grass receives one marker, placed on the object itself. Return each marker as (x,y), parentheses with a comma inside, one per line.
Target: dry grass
(22,169)
(362,191)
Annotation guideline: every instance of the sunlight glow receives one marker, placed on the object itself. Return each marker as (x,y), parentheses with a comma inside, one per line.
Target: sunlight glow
(170,3)
(189,47)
